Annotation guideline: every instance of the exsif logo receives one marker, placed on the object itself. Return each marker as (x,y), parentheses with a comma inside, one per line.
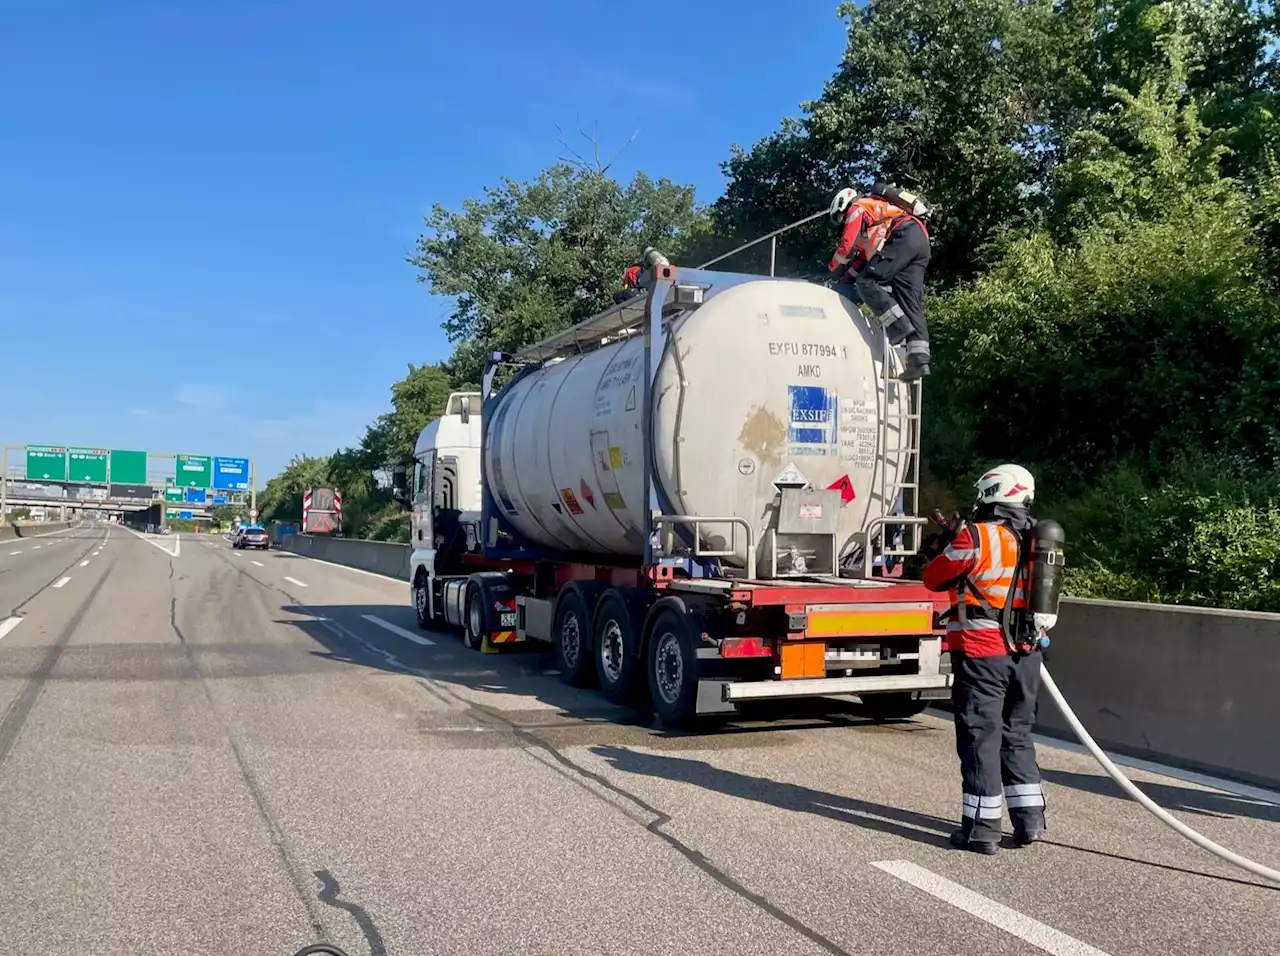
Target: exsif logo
(812,415)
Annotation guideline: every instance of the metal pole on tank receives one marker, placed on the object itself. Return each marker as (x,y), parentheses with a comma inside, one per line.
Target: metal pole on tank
(773,255)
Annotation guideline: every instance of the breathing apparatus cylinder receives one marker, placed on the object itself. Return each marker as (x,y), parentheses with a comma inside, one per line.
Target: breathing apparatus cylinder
(909,202)
(1048,566)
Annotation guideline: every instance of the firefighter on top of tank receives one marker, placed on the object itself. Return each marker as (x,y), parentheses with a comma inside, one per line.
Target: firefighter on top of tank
(884,251)
(995,644)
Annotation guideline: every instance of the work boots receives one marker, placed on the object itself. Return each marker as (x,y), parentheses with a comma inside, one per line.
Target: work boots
(917,365)
(960,840)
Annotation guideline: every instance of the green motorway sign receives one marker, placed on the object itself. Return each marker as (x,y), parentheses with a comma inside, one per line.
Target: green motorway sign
(194,471)
(128,467)
(87,464)
(46,461)
(172,494)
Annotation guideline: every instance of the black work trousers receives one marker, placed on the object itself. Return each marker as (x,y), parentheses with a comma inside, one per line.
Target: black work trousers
(895,276)
(995,707)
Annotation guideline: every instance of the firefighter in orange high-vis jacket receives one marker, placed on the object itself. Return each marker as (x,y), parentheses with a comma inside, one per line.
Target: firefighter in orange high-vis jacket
(995,659)
(884,251)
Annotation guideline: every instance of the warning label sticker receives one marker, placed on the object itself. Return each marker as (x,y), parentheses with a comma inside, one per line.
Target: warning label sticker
(570,502)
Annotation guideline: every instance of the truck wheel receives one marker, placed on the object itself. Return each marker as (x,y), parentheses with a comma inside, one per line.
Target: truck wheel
(477,626)
(673,670)
(422,600)
(891,706)
(617,650)
(573,639)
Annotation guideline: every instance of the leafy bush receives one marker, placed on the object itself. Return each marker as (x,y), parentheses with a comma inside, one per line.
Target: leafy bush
(1209,534)
(391,523)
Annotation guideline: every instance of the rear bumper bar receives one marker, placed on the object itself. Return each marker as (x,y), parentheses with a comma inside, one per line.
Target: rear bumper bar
(828,686)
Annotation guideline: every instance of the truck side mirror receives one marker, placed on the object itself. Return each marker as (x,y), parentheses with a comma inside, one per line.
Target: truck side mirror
(398,474)
(466,409)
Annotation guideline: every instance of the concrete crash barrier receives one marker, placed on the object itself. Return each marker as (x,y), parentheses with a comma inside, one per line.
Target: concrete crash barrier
(1190,686)
(9,531)
(378,557)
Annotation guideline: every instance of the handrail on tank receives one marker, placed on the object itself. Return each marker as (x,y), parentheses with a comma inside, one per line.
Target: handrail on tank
(668,537)
(875,524)
(773,250)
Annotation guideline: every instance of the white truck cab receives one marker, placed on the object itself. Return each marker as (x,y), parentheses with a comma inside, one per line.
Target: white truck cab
(444,491)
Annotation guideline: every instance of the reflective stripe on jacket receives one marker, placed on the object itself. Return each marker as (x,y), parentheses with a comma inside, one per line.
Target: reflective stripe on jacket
(986,554)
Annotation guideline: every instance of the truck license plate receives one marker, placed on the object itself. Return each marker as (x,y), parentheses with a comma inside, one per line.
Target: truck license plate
(508,621)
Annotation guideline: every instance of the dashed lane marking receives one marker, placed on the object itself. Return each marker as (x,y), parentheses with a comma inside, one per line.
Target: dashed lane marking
(84,563)
(259,564)
(61,582)
(1030,931)
(15,552)
(8,625)
(36,547)
(395,629)
(301,584)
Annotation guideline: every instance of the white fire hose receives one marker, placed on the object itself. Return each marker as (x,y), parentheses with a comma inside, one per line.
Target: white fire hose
(1127,786)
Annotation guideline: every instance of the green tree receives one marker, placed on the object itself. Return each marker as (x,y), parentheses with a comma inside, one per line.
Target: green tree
(227,515)
(530,259)
(281,499)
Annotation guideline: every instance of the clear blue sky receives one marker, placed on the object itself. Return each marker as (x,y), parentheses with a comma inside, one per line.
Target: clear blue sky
(205,207)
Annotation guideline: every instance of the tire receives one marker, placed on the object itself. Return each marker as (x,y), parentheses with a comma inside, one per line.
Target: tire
(896,706)
(672,668)
(616,640)
(422,600)
(476,627)
(572,635)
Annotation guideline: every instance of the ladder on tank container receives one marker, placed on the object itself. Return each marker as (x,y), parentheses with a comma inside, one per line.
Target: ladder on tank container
(899,441)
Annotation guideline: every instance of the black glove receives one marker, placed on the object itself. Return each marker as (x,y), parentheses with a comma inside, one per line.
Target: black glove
(934,545)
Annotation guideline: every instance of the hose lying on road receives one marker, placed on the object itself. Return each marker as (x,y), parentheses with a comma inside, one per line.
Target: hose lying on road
(1127,786)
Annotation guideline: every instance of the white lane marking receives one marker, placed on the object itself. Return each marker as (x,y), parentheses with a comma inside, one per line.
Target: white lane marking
(295,581)
(15,552)
(1031,931)
(84,563)
(8,625)
(395,629)
(36,547)
(61,582)
(259,564)
(177,542)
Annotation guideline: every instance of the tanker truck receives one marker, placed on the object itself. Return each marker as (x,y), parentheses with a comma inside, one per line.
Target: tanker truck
(696,497)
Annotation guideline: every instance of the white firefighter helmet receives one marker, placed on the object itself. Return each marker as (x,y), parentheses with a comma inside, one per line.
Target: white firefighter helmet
(1006,484)
(840,203)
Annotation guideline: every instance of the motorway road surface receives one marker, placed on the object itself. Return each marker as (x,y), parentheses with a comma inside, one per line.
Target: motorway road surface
(213,751)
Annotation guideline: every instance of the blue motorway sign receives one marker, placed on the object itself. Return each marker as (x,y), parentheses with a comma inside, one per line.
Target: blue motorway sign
(220,499)
(196,496)
(185,514)
(231,474)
